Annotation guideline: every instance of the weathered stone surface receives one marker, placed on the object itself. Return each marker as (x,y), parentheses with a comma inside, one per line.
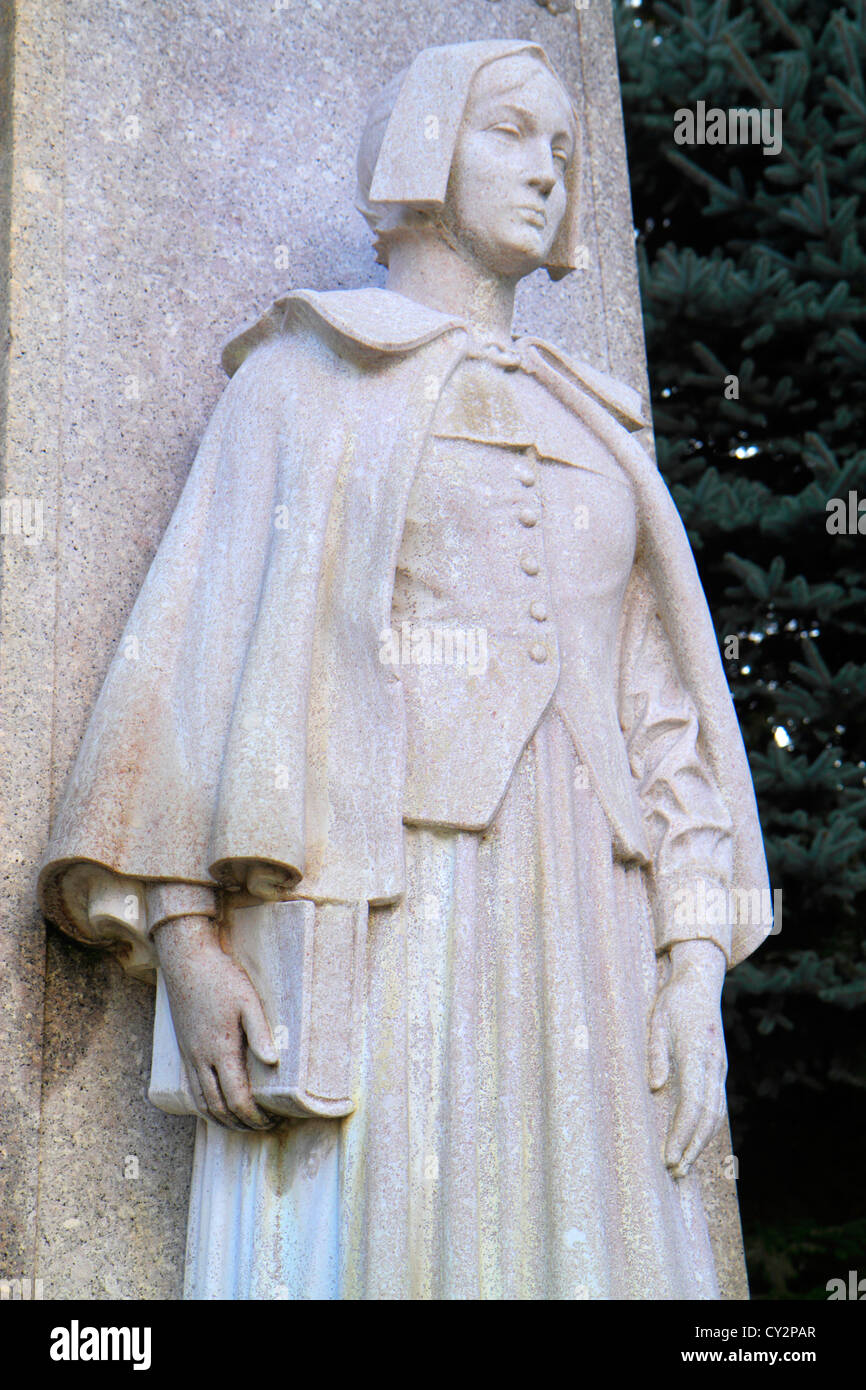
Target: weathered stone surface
(31,176)
(174,171)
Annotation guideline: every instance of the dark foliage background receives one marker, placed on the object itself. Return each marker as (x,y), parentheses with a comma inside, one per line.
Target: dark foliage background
(754,266)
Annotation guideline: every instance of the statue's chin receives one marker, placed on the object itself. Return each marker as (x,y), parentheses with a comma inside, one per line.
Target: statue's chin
(513,258)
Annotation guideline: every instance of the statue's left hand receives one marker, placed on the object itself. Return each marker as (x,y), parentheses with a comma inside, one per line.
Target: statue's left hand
(686,1038)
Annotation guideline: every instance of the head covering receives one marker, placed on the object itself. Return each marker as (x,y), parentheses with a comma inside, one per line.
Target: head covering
(407,148)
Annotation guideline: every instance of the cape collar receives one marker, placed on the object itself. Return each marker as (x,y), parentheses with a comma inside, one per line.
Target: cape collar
(384,322)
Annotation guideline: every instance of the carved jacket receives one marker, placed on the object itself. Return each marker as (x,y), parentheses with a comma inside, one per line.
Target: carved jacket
(260,725)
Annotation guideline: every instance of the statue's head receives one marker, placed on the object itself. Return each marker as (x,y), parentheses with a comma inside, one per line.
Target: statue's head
(478,142)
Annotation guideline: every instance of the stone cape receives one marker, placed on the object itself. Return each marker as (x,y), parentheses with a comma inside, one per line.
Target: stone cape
(189,764)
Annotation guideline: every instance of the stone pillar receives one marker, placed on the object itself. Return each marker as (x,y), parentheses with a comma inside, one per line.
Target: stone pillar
(170,171)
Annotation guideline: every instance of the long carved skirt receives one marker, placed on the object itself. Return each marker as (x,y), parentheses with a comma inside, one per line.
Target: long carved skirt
(506,1144)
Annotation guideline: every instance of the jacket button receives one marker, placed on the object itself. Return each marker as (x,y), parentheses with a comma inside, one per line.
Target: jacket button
(527,517)
(538,652)
(538,611)
(526,475)
(529,564)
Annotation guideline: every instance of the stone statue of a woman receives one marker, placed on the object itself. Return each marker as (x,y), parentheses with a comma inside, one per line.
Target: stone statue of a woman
(425,641)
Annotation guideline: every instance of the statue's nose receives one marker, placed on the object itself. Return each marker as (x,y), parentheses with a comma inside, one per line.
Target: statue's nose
(543,182)
(543,175)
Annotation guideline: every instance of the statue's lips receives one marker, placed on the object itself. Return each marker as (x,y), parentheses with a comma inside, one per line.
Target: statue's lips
(535,216)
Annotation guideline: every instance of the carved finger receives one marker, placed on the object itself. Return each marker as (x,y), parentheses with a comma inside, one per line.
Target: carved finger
(235,1086)
(706,1128)
(215,1100)
(693,1085)
(258,1031)
(195,1087)
(711,1112)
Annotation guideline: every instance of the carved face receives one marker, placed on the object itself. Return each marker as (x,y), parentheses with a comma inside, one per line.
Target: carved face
(506,191)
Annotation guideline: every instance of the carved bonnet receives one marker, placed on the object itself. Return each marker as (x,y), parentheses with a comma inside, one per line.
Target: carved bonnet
(407,147)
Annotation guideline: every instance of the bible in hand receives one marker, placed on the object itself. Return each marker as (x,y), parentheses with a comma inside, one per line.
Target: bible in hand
(306,964)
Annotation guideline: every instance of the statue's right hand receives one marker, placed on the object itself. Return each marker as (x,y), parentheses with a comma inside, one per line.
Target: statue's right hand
(216,1014)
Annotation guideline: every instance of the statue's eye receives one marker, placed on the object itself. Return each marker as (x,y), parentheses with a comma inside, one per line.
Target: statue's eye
(561,157)
(507,129)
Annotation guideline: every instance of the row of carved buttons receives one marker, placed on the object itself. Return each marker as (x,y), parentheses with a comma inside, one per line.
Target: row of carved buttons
(527,517)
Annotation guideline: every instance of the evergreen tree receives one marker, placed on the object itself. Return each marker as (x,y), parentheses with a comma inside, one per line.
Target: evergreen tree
(753,283)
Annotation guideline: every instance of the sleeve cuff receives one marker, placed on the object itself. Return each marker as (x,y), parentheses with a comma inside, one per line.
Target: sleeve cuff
(693,906)
(164,901)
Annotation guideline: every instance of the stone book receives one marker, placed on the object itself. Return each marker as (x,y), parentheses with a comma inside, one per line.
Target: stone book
(305,962)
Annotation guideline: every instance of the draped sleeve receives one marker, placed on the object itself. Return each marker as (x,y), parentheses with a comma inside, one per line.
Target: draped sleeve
(688,825)
(103,908)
